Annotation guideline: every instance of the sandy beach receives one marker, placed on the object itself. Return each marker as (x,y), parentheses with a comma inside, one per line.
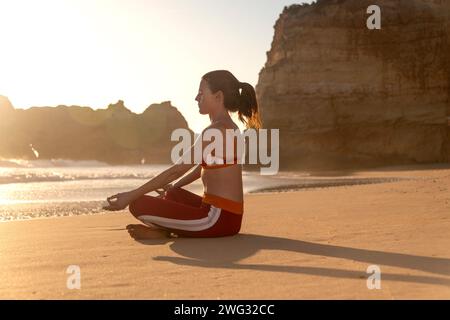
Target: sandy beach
(313,243)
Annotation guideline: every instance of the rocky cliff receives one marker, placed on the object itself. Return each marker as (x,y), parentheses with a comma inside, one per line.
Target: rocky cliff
(344,95)
(114,135)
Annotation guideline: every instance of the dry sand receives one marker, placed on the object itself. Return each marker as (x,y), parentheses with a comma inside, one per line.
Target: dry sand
(311,244)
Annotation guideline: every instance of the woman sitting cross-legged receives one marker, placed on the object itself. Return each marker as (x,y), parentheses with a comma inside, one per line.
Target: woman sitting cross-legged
(219,212)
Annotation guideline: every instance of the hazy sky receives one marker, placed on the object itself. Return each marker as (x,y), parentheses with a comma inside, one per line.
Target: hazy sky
(95,52)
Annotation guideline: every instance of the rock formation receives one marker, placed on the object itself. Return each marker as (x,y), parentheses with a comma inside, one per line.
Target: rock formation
(114,135)
(343,95)
(5,105)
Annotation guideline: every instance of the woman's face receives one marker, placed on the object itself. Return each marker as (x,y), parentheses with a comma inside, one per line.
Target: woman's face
(205,98)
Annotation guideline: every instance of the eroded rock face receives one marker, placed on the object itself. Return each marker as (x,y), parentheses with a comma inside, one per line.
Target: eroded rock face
(344,95)
(114,135)
(5,105)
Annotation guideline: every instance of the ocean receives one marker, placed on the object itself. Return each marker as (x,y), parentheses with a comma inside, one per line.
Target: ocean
(50,188)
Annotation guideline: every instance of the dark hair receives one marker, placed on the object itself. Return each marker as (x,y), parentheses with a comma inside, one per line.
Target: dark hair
(238,96)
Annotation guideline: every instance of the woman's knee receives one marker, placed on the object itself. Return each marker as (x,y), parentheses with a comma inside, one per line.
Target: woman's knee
(132,207)
(137,205)
(173,193)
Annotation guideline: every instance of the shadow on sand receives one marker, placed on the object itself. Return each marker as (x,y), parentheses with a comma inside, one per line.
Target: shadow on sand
(227,251)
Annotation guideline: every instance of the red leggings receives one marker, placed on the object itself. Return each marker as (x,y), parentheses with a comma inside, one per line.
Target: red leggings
(183,213)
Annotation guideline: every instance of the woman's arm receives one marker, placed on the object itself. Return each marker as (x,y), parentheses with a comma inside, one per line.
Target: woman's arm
(177,171)
(121,200)
(189,178)
(162,179)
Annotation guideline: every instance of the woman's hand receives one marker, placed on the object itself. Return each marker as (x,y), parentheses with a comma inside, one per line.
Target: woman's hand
(119,201)
(162,191)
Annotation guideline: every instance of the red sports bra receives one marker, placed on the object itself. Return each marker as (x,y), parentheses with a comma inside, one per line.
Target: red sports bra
(224,164)
(217,166)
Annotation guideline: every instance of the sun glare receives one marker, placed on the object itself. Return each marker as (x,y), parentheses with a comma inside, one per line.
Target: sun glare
(58,51)
(93,53)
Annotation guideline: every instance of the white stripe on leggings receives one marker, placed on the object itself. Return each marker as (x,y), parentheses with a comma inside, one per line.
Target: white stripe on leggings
(188,225)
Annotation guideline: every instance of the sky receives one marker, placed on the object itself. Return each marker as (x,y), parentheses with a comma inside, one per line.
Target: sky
(95,52)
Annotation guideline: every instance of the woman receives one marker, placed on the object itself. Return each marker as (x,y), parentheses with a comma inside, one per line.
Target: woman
(219,212)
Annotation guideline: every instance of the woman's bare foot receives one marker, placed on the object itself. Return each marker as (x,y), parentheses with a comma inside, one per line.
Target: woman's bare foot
(141,232)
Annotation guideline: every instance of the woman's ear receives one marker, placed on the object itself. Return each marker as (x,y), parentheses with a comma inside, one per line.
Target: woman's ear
(218,96)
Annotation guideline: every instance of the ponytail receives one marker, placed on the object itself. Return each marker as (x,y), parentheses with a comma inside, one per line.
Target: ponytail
(248,106)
